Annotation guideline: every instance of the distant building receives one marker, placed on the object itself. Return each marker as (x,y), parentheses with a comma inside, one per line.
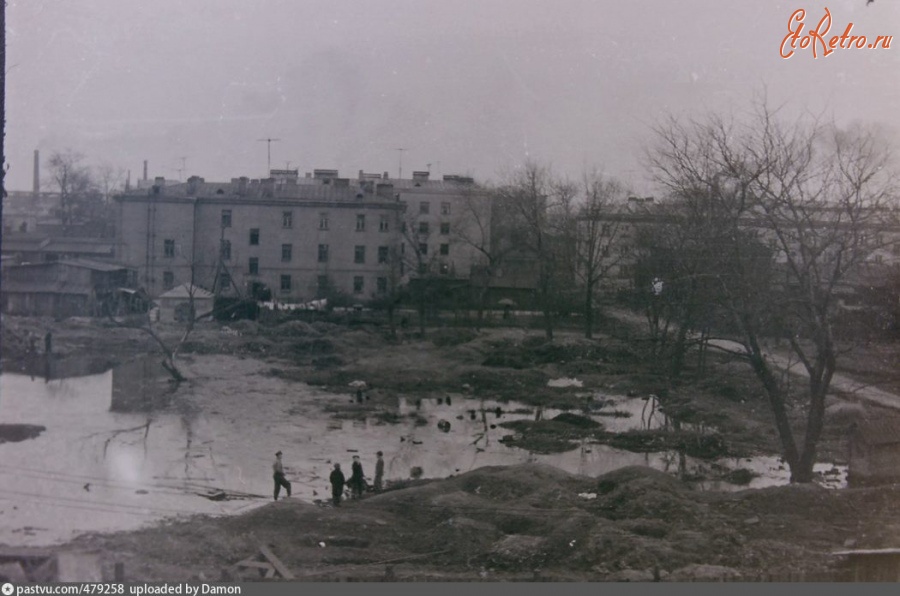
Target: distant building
(66,288)
(24,211)
(41,248)
(299,238)
(178,303)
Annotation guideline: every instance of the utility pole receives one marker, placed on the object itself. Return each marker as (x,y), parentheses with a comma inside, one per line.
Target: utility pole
(400,150)
(2,105)
(268,143)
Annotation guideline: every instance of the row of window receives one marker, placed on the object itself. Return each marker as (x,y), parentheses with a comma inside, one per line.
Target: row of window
(287,252)
(425,208)
(287,217)
(359,253)
(423,229)
(287,221)
(381,283)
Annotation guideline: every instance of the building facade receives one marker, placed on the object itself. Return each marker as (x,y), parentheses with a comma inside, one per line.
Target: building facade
(297,239)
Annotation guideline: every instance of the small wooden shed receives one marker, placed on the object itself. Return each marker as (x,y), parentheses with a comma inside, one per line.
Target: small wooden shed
(176,304)
(874,452)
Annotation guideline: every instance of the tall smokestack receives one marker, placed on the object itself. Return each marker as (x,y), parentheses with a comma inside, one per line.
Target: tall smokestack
(36,185)
(128,181)
(145,170)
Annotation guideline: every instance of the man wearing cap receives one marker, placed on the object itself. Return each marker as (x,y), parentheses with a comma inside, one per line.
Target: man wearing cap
(379,472)
(278,476)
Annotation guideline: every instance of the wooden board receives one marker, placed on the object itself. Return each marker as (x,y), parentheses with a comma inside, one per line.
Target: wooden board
(276,562)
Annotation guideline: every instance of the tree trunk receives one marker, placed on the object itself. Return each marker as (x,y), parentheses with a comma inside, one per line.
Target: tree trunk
(815,421)
(589,311)
(392,321)
(779,409)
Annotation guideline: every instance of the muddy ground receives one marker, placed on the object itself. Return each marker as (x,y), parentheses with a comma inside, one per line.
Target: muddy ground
(521,522)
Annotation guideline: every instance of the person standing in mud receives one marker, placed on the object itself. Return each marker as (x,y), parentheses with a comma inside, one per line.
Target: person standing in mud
(379,472)
(337,484)
(357,480)
(278,476)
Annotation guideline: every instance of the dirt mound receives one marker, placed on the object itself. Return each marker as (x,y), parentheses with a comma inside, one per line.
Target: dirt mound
(576,420)
(245,327)
(452,337)
(293,329)
(638,492)
(501,521)
(326,328)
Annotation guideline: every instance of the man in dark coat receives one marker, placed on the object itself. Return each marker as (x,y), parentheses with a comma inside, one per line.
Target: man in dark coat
(337,484)
(379,472)
(278,476)
(357,480)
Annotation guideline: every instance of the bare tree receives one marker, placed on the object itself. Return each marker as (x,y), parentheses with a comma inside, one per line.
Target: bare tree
(79,197)
(110,179)
(598,235)
(541,210)
(480,224)
(418,263)
(800,203)
(188,317)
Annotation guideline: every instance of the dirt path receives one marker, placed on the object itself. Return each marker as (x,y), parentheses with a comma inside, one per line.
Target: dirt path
(842,384)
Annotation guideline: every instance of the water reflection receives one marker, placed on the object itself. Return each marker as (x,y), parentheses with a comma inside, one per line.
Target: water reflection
(121,449)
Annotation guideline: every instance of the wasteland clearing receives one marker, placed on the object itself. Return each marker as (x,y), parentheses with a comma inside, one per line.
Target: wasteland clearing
(512,522)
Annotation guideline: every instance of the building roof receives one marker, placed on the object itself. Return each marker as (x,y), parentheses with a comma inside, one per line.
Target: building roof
(81,263)
(320,188)
(187,290)
(883,431)
(14,286)
(23,241)
(81,245)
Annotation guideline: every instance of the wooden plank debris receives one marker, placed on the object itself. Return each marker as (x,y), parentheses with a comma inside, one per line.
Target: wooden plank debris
(269,568)
(276,562)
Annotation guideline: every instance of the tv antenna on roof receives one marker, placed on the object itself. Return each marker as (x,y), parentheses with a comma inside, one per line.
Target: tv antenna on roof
(400,162)
(268,143)
(183,167)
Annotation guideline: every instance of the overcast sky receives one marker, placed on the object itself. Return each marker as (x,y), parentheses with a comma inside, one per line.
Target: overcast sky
(468,86)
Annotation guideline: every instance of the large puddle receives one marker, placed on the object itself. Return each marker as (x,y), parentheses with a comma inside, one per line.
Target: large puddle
(94,468)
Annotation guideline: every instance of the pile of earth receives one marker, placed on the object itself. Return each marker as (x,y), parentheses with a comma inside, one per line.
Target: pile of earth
(513,523)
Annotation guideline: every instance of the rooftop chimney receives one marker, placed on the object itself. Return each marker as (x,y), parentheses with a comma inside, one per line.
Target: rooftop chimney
(37,173)
(193,184)
(420,176)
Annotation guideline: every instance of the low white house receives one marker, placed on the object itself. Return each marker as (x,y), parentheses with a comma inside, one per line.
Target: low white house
(176,304)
